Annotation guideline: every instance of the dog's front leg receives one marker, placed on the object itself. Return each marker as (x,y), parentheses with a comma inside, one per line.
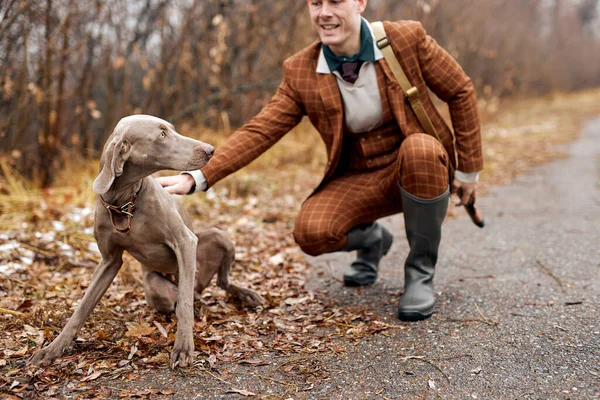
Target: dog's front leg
(103,276)
(185,250)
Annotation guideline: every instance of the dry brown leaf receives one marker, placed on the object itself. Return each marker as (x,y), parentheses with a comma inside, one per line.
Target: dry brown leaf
(137,330)
(93,376)
(160,358)
(160,328)
(16,353)
(132,352)
(254,362)
(242,392)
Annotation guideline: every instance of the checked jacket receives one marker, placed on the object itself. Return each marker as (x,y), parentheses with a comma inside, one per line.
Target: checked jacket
(303,91)
(345,199)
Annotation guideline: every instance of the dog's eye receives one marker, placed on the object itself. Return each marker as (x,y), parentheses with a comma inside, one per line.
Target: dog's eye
(163,134)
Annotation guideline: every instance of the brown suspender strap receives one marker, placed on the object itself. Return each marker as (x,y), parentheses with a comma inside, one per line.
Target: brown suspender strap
(412,94)
(410,91)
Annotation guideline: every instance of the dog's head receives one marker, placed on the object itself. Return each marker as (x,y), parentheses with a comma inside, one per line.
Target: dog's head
(147,144)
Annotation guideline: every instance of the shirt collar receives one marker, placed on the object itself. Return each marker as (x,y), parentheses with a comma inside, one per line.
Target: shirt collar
(369,51)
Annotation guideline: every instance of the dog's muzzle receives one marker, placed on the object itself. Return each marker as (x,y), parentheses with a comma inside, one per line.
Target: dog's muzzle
(200,156)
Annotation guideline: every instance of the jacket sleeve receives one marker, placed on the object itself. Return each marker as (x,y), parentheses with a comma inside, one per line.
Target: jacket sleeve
(446,78)
(282,113)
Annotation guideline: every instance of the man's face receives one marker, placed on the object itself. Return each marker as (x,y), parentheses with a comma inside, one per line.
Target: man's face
(338,23)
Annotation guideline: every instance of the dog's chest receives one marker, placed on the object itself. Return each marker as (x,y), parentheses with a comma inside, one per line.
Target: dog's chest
(158,225)
(146,242)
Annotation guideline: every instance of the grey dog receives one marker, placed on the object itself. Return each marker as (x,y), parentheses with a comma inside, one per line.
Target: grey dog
(177,264)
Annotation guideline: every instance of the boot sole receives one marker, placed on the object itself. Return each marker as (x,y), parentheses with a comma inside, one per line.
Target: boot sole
(414,315)
(350,282)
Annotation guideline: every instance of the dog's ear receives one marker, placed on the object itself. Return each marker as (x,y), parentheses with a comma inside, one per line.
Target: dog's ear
(114,157)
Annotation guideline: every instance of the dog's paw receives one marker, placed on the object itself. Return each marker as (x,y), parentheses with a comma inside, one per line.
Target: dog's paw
(46,355)
(250,297)
(182,355)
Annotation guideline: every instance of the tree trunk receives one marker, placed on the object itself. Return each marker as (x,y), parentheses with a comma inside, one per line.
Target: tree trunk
(45,156)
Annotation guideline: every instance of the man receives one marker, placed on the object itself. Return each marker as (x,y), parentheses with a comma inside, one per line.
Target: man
(379,161)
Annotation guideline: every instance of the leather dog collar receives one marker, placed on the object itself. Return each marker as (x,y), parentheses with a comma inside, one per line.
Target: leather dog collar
(125,209)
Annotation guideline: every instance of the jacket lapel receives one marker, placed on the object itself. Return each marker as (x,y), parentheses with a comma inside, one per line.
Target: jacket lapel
(395,95)
(332,101)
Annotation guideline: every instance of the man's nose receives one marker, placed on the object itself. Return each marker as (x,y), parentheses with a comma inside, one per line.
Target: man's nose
(326,9)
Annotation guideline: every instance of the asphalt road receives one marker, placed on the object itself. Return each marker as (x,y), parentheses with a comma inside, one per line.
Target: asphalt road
(518,314)
(534,269)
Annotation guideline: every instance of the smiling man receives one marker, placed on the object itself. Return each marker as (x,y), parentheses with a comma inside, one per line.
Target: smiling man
(379,160)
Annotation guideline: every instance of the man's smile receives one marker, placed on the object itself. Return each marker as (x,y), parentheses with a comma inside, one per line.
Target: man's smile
(329,27)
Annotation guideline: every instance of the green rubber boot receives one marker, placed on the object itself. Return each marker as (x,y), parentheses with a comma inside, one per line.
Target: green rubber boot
(372,242)
(423,221)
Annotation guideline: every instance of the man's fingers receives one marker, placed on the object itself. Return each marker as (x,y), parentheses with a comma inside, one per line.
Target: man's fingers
(464,191)
(455,186)
(464,195)
(465,199)
(177,184)
(171,189)
(166,181)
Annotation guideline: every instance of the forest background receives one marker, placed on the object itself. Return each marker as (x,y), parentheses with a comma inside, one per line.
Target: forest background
(69,70)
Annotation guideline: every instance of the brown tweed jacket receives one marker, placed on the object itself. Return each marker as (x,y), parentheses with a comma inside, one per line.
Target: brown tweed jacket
(303,91)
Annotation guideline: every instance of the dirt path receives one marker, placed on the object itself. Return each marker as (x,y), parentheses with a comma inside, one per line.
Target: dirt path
(518,313)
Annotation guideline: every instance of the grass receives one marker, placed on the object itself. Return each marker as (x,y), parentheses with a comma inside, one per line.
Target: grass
(516,134)
(521,133)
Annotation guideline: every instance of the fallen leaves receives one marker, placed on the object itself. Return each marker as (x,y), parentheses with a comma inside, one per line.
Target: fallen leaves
(160,328)
(93,376)
(123,336)
(144,394)
(136,330)
(16,353)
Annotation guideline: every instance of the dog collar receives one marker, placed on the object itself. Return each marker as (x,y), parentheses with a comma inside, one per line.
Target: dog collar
(125,209)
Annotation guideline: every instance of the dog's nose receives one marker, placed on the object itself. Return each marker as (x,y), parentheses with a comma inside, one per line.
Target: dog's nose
(210,150)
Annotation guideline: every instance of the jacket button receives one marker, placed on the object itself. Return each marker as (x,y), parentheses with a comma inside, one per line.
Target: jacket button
(362,139)
(378,136)
(368,161)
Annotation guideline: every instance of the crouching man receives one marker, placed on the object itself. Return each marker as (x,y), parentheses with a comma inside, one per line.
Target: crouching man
(379,160)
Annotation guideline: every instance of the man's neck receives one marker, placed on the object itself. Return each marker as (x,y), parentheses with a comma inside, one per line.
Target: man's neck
(348,50)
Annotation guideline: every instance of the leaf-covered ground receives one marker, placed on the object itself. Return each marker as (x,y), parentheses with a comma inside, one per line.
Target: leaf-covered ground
(47,255)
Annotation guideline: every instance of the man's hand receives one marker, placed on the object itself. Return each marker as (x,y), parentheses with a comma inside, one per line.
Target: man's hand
(464,191)
(177,184)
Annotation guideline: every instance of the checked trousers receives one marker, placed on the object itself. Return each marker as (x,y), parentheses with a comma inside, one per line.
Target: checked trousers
(360,197)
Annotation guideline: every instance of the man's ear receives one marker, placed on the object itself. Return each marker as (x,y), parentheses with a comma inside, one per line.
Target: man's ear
(362,5)
(115,155)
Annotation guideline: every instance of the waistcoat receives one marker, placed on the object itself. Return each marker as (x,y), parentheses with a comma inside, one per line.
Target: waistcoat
(378,147)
